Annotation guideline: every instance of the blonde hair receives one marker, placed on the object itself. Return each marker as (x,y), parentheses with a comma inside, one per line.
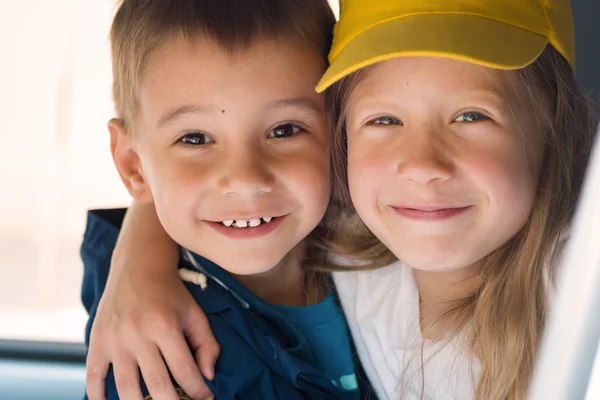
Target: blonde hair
(504,318)
(140,26)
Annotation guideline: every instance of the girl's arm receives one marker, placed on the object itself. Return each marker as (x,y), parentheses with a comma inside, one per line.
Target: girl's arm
(146,314)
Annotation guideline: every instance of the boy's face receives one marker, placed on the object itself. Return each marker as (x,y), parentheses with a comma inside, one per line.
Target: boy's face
(233,149)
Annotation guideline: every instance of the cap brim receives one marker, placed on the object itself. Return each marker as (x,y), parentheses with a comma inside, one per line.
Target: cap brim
(464,37)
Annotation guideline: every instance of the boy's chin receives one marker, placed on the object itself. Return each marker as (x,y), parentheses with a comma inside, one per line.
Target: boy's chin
(244,264)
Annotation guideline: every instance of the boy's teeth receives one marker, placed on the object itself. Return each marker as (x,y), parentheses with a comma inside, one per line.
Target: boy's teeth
(254,222)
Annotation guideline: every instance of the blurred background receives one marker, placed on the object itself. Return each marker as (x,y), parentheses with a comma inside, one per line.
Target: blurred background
(55,82)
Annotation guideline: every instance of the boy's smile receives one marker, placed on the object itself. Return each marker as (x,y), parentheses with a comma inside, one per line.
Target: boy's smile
(247,229)
(233,148)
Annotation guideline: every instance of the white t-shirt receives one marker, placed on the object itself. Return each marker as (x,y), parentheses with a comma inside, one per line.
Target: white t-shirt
(382,309)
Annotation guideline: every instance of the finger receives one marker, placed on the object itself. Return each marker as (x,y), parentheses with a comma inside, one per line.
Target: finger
(127,377)
(155,373)
(206,357)
(202,341)
(181,363)
(96,366)
(206,395)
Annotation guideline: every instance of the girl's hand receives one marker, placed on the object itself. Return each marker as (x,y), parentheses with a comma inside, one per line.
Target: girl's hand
(147,318)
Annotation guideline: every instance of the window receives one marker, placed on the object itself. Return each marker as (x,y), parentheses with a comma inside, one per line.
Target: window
(54,162)
(569,362)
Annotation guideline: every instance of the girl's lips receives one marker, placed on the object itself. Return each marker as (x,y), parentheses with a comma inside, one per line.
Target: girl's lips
(247,233)
(429,213)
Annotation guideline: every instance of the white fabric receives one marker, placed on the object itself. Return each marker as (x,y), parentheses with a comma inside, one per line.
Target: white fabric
(382,309)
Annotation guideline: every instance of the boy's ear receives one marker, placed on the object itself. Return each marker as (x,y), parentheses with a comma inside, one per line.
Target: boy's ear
(127,162)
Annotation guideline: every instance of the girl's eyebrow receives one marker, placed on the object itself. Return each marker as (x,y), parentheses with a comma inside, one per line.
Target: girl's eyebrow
(494,95)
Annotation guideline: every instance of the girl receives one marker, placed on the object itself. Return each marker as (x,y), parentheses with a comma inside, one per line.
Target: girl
(461,145)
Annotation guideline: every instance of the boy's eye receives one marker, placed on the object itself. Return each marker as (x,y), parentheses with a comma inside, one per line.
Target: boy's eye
(284,131)
(471,117)
(195,139)
(385,121)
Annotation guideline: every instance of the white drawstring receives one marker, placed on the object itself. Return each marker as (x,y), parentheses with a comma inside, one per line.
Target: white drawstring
(195,277)
(200,278)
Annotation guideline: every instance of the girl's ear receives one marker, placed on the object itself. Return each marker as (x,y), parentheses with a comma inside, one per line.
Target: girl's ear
(127,162)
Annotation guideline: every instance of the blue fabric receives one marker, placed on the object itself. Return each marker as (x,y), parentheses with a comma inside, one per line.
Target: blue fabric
(264,355)
(326,332)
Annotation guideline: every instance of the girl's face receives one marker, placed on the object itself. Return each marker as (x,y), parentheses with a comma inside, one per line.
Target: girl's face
(444,158)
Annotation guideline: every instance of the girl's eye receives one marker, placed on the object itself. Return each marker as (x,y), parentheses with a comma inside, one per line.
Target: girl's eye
(385,121)
(471,117)
(284,131)
(195,139)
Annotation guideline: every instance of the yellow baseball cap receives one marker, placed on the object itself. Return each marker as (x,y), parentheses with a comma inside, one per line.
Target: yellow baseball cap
(504,34)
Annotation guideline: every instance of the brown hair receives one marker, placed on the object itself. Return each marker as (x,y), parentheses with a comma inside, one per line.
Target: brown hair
(140,26)
(504,319)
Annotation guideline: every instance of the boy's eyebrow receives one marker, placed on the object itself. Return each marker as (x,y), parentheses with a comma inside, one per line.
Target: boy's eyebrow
(178,112)
(298,102)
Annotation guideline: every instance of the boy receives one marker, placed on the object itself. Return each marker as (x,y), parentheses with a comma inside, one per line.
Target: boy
(220,128)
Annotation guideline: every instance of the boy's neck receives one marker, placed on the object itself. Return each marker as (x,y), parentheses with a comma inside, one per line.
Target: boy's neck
(283,284)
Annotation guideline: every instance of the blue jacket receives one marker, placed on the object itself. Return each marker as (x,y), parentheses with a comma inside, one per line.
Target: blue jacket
(263,356)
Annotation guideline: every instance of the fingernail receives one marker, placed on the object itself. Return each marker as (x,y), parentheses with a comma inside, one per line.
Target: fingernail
(210,373)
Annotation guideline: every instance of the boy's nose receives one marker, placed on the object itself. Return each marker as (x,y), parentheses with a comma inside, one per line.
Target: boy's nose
(247,175)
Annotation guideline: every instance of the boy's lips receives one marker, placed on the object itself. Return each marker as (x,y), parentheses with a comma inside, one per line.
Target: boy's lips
(430,213)
(248,232)
(247,217)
